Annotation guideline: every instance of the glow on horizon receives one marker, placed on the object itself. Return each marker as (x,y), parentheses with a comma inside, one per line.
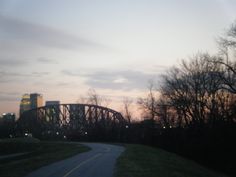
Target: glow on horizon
(61,49)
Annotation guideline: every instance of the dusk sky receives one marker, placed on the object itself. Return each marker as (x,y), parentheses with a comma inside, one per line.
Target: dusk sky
(62,48)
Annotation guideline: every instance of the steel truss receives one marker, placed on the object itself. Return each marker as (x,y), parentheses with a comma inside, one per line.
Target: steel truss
(82,118)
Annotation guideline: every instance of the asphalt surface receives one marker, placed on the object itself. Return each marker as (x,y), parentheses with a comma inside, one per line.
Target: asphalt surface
(99,162)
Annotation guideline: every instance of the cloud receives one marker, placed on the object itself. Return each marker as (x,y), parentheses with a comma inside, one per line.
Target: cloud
(161,67)
(64,84)
(26,32)
(9,76)
(12,62)
(39,74)
(46,60)
(9,96)
(70,73)
(118,80)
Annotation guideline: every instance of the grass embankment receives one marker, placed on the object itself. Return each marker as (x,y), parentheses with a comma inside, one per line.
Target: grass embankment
(144,161)
(40,154)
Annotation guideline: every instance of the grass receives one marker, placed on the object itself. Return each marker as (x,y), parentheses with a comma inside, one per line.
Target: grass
(144,161)
(41,154)
(18,145)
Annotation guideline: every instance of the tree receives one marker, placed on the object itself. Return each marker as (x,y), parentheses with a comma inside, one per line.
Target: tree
(94,98)
(149,104)
(126,109)
(195,90)
(227,54)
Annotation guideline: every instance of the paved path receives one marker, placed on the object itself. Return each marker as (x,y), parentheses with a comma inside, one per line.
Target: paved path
(99,162)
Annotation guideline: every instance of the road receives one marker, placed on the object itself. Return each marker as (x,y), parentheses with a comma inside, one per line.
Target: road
(99,162)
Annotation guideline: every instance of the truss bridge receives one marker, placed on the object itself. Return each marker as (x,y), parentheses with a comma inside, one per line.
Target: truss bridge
(80,120)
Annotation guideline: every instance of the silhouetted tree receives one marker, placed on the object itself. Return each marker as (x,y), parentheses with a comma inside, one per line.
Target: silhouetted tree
(227,54)
(149,103)
(92,97)
(195,91)
(127,114)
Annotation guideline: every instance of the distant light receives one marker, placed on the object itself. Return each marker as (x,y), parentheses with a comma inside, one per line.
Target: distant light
(126,126)
(64,137)
(57,133)
(26,134)
(164,127)
(85,133)
(4,114)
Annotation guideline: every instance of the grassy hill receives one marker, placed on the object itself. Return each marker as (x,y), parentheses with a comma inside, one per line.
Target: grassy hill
(144,161)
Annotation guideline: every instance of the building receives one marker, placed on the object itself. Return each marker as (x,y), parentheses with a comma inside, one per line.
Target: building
(50,103)
(8,117)
(25,103)
(36,100)
(30,101)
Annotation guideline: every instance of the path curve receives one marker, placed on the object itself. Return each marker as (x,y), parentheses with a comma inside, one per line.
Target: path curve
(99,162)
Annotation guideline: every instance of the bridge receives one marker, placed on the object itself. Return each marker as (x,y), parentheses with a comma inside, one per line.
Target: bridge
(77,120)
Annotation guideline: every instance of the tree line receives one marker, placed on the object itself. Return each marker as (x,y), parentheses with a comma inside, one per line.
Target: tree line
(193,111)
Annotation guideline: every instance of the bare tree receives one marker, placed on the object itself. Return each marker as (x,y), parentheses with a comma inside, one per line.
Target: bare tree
(149,104)
(126,109)
(227,58)
(196,91)
(228,41)
(92,97)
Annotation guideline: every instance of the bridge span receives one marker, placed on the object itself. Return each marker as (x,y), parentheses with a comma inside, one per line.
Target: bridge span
(77,120)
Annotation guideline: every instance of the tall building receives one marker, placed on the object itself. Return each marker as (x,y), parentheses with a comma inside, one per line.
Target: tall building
(25,103)
(50,103)
(36,100)
(30,101)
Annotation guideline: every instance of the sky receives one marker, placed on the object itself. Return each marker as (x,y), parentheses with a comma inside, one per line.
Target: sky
(62,48)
